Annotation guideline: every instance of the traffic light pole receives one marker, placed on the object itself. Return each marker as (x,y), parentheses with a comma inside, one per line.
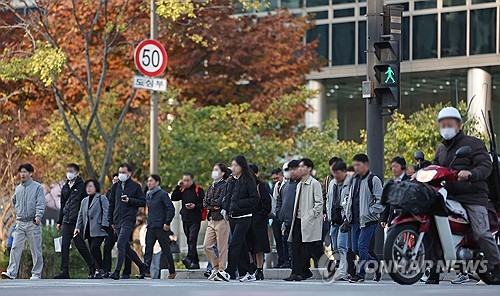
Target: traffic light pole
(374,119)
(153,149)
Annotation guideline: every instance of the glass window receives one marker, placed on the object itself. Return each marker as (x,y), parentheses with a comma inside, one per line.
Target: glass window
(405,36)
(482,31)
(320,33)
(312,3)
(270,5)
(447,3)
(291,3)
(343,12)
(343,1)
(406,6)
(425,4)
(319,15)
(362,42)
(343,43)
(481,1)
(362,11)
(453,34)
(425,36)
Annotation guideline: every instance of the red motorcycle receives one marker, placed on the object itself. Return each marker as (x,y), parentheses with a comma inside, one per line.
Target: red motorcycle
(427,219)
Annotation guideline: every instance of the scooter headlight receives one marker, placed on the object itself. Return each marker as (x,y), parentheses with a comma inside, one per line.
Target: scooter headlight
(424,176)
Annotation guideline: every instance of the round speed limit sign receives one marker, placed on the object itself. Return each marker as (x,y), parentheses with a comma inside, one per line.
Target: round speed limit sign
(150,58)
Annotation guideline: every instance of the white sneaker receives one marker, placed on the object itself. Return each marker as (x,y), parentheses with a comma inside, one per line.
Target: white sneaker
(222,276)
(212,275)
(7,276)
(481,283)
(425,276)
(248,278)
(35,277)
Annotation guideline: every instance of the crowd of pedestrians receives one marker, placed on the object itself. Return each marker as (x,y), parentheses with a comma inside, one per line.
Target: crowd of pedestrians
(239,208)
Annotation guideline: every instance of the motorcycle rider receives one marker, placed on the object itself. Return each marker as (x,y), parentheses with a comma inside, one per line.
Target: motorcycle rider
(471,189)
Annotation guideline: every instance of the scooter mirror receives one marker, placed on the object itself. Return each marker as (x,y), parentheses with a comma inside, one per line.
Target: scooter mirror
(419,155)
(463,151)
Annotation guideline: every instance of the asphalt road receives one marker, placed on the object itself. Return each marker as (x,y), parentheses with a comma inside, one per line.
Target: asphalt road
(207,288)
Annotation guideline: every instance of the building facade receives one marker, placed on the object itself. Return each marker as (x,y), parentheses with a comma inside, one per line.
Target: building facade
(450,51)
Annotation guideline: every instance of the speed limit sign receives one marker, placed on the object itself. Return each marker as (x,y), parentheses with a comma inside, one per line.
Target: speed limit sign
(150,58)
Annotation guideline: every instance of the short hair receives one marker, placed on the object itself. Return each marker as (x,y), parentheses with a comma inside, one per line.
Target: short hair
(400,160)
(190,175)
(223,168)
(276,171)
(307,162)
(340,166)
(350,168)
(26,166)
(293,164)
(96,184)
(155,177)
(254,168)
(334,160)
(126,165)
(73,166)
(361,158)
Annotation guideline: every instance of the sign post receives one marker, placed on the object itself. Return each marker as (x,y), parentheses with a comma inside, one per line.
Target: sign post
(151,60)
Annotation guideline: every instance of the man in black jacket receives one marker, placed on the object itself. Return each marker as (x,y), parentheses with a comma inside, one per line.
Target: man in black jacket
(72,193)
(125,199)
(471,189)
(192,207)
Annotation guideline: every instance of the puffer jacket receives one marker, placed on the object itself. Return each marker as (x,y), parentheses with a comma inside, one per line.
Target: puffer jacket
(475,190)
(241,197)
(71,199)
(215,196)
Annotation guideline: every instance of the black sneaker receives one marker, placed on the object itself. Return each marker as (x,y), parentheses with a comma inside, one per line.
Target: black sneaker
(293,278)
(357,279)
(115,275)
(105,275)
(143,272)
(63,275)
(125,277)
(7,276)
(207,273)
(187,262)
(307,275)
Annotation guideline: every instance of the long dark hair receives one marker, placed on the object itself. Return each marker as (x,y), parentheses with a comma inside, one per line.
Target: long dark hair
(255,170)
(246,173)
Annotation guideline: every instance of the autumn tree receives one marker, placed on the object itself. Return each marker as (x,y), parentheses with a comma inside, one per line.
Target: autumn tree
(219,58)
(82,52)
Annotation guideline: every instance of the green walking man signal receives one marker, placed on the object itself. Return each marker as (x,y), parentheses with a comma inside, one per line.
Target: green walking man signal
(390,75)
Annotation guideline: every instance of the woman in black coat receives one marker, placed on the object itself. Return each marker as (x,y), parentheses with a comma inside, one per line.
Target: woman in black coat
(239,203)
(257,238)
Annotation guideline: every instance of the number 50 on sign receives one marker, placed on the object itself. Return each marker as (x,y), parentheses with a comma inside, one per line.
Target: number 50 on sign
(150,58)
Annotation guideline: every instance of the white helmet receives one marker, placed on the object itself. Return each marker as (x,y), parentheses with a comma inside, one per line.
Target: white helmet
(449,112)
(285,166)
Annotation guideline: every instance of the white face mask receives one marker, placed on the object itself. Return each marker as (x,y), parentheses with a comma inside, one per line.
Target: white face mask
(448,133)
(287,175)
(70,175)
(215,175)
(123,177)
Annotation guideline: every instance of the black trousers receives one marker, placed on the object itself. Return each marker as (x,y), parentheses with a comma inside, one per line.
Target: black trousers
(109,243)
(95,248)
(124,249)
(67,236)
(153,235)
(303,251)
(237,257)
(278,238)
(191,230)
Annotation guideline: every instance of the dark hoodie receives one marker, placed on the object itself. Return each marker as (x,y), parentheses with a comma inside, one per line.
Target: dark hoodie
(71,198)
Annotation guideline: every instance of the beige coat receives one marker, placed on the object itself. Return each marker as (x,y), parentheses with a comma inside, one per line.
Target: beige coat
(311,210)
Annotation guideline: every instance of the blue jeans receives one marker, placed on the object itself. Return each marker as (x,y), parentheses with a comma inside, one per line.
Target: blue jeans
(361,239)
(339,244)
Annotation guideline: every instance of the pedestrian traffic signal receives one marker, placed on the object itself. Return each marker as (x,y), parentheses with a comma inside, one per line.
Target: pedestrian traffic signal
(387,64)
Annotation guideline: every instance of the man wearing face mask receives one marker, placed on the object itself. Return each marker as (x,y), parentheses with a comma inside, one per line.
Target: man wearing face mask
(72,193)
(471,189)
(125,199)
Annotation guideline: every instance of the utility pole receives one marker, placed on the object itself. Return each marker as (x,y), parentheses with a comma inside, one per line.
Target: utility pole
(153,149)
(374,121)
